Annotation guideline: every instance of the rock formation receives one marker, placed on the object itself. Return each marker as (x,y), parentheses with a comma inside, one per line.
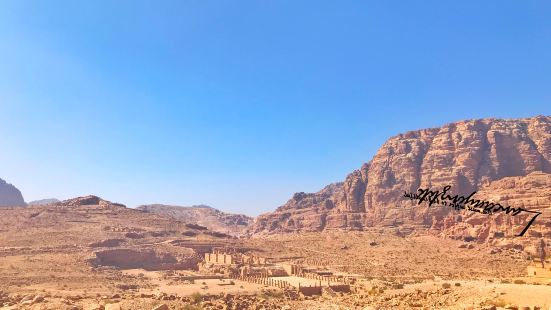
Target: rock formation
(10,195)
(105,234)
(531,192)
(211,218)
(508,159)
(89,200)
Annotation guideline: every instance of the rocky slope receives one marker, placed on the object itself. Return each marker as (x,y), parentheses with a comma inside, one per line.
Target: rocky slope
(97,233)
(213,219)
(505,158)
(10,195)
(89,200)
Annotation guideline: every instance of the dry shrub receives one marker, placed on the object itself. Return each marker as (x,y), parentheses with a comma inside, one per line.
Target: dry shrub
(519,281)
(499,303)
(196,297)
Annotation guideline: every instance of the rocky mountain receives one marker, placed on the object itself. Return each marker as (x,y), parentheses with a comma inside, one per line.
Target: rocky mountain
(42,202)
(89,200)
(506,160)
(213,219)
(10,195)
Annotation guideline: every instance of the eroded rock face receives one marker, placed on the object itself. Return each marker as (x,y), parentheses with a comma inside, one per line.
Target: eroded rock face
(10,195)
(468,155)
(531,192)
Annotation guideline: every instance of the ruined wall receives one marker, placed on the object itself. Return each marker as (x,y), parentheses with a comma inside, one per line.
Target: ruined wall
(310,290)
(219,258)
(538,272)
(345,288)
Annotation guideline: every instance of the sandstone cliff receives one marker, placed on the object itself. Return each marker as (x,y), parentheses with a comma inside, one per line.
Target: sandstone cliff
(503,157)
(10,195)
(211,218)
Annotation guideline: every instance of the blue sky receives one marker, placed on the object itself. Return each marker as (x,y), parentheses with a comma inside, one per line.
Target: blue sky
(239,104)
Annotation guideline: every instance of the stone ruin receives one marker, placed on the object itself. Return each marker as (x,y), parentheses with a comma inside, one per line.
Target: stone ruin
(219,257)
(259,270)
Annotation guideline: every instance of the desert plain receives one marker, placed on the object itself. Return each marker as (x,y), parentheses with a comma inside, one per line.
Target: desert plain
(88,253)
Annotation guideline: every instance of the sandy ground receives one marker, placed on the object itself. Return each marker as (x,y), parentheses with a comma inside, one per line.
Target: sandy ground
(202,286)
(47,253)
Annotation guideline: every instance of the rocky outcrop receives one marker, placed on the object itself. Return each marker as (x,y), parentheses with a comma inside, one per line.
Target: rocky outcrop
(213,219)
(89,200)
(107,243)
(469,155)
(10,195)
(531,192)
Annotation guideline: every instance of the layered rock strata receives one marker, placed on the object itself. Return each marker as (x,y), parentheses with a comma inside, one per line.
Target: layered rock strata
(507,160)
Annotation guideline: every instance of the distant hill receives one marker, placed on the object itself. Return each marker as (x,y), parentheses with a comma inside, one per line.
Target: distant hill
(106,233)
(213,219)
(43,202)
(10,195)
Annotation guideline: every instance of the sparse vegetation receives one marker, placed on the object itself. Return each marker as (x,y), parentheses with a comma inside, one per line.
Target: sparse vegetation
(272,294)
(519,281)
(499,303)
(196,298)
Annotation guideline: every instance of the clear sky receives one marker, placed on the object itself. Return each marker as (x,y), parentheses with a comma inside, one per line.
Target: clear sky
(239,104)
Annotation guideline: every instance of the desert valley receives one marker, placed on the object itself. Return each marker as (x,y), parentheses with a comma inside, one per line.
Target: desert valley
(356,244)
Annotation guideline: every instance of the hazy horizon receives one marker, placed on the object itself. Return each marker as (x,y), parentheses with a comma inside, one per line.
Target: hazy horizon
(216,207)
(240,105)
